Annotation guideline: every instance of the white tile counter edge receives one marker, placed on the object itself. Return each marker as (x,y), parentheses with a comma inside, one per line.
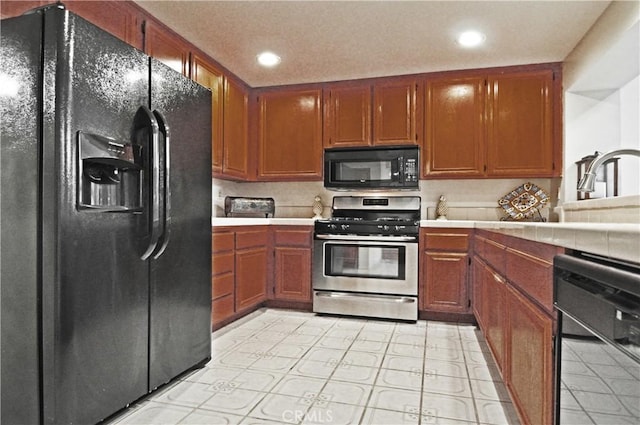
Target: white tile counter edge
(621,241)
(238,221)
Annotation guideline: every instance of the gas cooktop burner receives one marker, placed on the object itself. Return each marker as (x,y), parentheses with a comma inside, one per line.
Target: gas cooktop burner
(385,216)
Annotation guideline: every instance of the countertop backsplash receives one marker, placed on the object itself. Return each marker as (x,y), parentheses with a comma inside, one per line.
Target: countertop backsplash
(467,199)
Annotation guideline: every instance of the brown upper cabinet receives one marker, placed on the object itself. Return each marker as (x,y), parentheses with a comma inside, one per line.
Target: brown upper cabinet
(290,135)
(395,113)
(206,74)
(347,116)
(505,124)
(384,113)
(166,46)
(119,18)
(235,140)
(520,124)
(454,135)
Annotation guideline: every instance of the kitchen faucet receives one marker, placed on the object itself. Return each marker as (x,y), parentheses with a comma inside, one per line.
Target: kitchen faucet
(587,182)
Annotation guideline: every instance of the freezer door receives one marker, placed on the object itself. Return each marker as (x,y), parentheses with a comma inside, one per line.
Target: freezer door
(94,284)
(19,136)
(180,289)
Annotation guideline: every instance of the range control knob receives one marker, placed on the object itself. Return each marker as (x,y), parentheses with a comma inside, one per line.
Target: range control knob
(344,226)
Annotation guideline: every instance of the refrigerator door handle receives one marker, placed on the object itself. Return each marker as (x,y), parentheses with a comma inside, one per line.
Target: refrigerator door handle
(145,123)
(166,132)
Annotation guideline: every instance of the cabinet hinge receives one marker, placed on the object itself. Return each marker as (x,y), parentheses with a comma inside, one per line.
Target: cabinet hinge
(469,260)
(469,303)
(553,166)
(485,168)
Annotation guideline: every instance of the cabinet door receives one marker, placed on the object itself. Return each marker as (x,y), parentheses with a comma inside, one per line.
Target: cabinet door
(235,162)
(293,273)
(347,116)
(204,73)
(394,113)
(168,48)
(290,135)
(222,275)
(530,352)
(118,18)
(520,124)
(446,285)
(494,293)
(251,277)
(454,138)
(477,295)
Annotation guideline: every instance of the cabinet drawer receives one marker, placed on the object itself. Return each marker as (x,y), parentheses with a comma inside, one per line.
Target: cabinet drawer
(223,263)
(251,238)
(223,241)
(494,254)
(293,238)
(222,286)
(221,308)
(533,275)
(446,240)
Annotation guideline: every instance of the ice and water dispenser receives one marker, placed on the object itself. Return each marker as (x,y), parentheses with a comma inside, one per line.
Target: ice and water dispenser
(110,174)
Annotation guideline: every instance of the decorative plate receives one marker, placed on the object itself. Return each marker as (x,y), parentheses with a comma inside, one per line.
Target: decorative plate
(524,201)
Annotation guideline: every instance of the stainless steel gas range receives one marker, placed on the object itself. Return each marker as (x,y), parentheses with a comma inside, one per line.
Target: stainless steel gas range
(366,257)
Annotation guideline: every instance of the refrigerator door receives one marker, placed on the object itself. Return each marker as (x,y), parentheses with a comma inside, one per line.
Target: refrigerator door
(20,84)
(180,288)
(94,284)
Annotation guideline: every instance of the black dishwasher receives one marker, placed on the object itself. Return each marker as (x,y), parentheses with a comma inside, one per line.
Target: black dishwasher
(598,345)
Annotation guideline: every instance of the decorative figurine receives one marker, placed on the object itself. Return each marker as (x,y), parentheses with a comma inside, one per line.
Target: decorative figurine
(317,207)
(442,208)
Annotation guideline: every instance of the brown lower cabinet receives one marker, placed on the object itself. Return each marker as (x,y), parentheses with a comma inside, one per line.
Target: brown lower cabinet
(252,257)
(512,286)
(292,257)
(240,267)
(444,272)
(253,266)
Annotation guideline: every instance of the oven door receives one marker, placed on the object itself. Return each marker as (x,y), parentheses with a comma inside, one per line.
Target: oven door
(376,265)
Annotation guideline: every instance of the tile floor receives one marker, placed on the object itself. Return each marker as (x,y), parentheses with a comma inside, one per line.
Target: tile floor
(599,384)
(284,367)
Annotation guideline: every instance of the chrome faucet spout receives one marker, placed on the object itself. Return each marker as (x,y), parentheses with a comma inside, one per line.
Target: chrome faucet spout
(588,181)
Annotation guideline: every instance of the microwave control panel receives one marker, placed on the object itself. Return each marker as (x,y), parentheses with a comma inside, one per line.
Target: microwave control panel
(410,170)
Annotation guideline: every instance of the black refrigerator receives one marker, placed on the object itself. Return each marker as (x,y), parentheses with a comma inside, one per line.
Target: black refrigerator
(105,197)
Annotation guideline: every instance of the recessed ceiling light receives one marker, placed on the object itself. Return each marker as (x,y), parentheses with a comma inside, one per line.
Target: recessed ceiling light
(471,39)
(268,59)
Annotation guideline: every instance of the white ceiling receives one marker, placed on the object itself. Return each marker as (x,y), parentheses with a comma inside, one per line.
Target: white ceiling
(341,40)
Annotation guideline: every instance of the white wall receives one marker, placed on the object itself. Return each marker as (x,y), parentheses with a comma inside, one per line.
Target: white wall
(467,199)
(594,124)
(602,97)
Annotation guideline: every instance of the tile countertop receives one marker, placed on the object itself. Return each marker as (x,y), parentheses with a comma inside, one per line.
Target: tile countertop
(621,241)
(238,221)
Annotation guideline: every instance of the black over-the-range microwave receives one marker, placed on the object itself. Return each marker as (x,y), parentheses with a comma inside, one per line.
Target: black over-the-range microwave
(372,168)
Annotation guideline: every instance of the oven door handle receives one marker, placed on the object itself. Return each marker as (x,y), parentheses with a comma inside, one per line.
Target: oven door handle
(368,238)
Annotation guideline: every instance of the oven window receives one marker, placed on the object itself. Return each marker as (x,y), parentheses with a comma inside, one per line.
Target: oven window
(369,261)
(348,171)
